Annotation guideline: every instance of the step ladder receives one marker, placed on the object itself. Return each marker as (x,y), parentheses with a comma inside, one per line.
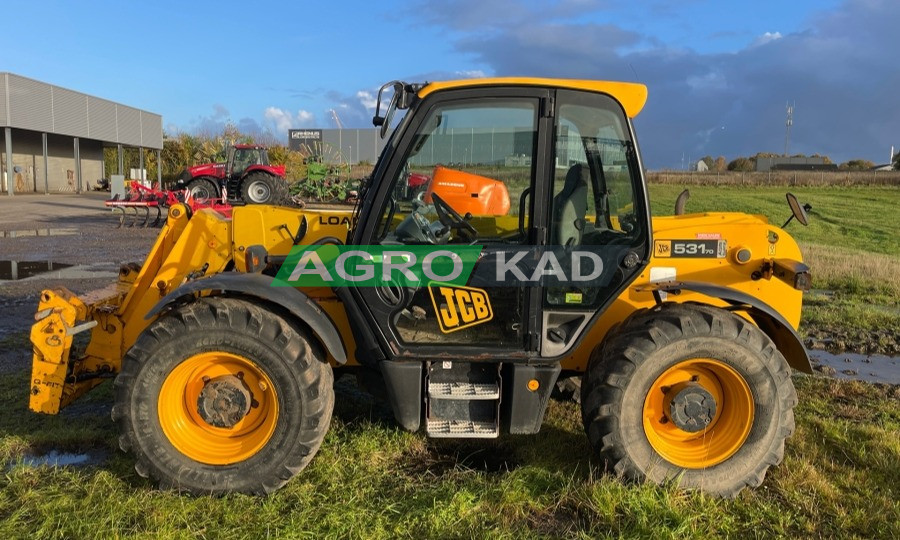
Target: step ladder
(462,400)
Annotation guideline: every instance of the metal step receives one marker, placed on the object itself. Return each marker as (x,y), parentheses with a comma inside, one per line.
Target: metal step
(463,390)
(462,429)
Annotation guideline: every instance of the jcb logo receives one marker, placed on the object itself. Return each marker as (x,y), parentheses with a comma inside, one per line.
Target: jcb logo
(460,307)
(662,248)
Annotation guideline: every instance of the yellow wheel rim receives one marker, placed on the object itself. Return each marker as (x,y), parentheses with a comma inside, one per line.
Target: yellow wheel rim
(190,428)
(704,439)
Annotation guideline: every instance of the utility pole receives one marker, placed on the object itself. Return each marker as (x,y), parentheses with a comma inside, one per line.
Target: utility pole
(787,128)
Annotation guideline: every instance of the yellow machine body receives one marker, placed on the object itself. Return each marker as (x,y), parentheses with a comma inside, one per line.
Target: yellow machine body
(207,244)
(66,365)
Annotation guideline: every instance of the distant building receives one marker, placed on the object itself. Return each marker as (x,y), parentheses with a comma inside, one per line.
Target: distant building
(794,164)
(53,138)
(700,166)
(885,167)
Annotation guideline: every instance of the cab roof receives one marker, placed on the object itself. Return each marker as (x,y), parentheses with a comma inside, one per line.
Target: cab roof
(632,96)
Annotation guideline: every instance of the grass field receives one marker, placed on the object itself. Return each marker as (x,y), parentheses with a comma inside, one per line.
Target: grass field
(840,477)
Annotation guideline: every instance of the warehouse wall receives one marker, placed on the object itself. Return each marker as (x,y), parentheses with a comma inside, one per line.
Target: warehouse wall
(28,156)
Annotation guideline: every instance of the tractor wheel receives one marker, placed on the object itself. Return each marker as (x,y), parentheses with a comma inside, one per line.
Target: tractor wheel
(223,396)
(689,392)
(202,188)
(263,188)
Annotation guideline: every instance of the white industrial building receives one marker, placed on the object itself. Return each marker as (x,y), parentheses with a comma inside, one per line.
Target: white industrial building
(53,138)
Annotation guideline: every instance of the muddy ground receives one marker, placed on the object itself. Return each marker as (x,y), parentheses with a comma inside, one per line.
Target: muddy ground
(77,230)
(68,229)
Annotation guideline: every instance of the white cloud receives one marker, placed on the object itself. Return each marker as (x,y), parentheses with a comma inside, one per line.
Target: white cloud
(768,37)
(367,99)
(281,120)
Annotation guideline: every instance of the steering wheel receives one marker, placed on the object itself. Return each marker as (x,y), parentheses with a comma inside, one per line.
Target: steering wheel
(451,218)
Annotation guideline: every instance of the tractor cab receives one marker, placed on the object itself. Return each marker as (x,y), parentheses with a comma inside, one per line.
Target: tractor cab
(242,156)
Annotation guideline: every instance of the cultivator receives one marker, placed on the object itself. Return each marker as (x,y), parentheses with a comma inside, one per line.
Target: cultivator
(141,201)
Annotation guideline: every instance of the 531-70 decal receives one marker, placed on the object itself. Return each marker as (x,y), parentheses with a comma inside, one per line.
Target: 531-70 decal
(690,249)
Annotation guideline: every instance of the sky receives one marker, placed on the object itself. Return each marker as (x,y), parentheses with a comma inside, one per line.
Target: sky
(720,73)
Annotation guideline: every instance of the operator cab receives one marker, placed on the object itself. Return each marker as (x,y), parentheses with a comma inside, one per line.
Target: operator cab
(507,168)
(242,156)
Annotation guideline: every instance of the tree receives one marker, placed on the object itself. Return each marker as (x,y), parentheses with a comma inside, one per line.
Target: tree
(897,162)
(741,164)
(709,162)
(857,165)
(720,164)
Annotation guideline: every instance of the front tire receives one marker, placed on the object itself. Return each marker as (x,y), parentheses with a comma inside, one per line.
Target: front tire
(689,392)
(223,396)
(202,188)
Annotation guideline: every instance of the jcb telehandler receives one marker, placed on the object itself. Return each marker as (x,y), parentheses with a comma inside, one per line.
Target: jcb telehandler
(683,327)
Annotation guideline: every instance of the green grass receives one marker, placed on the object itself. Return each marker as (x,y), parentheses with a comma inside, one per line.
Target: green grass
(855,218)
(851,246)
(370,479)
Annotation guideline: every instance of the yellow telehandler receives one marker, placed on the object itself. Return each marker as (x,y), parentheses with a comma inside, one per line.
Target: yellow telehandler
(503,240)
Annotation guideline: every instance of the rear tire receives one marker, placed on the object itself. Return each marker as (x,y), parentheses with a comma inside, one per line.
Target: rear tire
(698,351)
(279,380)
(263,188)
(202,188)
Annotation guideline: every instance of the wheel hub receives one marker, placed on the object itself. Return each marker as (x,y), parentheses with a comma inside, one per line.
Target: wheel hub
(224,401)
(258,191)
(691,407)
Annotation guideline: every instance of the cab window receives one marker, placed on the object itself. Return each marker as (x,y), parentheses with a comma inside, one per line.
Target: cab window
(467,176)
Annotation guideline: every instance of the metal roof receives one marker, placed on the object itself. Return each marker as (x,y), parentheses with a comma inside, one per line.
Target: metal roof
(29,104)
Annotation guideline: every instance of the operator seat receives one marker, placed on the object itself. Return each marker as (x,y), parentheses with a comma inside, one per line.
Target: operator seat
(570,207)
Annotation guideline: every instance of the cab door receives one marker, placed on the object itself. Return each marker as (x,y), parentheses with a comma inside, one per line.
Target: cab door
(485,154)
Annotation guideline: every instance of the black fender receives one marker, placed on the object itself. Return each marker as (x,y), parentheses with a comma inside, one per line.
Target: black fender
(766,318)
(260,286)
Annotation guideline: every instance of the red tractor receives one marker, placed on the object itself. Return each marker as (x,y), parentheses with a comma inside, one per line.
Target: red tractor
(245,176)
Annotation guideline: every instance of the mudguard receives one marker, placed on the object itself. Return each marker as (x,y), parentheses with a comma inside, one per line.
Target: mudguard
(260,286)
(766,318)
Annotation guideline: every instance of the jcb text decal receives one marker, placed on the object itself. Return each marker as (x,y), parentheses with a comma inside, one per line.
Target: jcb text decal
(690,249)
(460,307)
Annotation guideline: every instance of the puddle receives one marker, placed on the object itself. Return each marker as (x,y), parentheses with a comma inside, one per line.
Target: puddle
(864,367)
(19,270)
(14,270)
(37,232)
(54,458)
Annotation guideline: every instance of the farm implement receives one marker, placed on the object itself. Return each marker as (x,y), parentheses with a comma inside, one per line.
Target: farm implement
(140,201)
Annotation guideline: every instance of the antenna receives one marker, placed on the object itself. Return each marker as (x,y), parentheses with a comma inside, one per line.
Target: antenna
(787,128)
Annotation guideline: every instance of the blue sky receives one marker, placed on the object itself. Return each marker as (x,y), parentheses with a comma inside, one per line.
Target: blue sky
(719,72)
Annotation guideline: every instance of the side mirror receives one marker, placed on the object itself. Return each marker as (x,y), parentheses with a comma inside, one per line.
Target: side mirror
(797,211)
(384,121)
